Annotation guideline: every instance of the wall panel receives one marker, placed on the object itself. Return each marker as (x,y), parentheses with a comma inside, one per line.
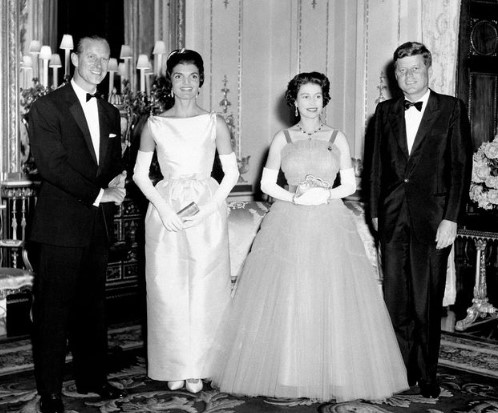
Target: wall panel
(261,44)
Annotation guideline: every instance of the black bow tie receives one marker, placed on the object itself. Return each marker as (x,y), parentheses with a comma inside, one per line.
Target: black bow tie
(89,96)
(418,105)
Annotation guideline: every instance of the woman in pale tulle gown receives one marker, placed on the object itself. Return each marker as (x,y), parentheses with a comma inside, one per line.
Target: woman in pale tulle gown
(187,261)
(308,318)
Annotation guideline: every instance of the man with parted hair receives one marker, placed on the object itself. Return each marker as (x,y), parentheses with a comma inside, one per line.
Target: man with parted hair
(420,163)
(75,139)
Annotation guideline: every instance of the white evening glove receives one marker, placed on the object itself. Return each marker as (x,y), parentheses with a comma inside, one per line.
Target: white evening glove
(269,186)
(230,178)
(347,186)
(170,220)
(313,196)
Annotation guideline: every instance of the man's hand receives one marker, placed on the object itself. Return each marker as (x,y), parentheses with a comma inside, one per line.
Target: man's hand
(115,195)
(446,234)
(119,181)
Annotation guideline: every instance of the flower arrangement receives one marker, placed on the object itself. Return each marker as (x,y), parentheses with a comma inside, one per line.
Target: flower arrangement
(484,182)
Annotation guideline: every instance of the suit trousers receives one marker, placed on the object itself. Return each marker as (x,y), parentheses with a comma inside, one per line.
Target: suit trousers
(413,286)
(69,308)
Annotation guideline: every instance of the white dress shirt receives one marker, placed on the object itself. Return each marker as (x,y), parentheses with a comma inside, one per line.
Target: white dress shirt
(413,118)
(91,111)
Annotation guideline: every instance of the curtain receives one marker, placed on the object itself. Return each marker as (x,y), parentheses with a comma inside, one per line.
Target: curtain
(146,21)
(440,24)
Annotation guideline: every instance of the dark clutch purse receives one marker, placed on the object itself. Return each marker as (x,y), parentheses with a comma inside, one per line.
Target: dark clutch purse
(311,181)
(188,211)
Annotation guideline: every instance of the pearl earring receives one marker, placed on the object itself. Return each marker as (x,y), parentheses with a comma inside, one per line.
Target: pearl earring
(296,112)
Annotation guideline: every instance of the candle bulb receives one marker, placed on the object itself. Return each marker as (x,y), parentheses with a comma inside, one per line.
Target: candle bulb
(67,45)
(148,75)
(45,55)
(122,74)
(142,64)
(34,50)
(27,63)
(158,52)
(55,63)
(111,68)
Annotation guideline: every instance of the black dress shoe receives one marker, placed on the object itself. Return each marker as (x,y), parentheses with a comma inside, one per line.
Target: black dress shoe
(429,389)
(412,391)
(51,403)
(105,391)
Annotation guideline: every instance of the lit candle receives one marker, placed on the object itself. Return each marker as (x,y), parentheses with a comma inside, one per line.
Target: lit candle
(122,74)
(111,68)
(67,45)
(158,52)
(27,64)
(148,75)
(34,50)
(55,63)
(45,55)
(142,64)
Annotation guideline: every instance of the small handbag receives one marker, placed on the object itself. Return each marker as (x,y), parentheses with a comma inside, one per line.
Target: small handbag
(188,211)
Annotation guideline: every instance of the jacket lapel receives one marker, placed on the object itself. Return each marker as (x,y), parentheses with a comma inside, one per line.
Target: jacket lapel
(79,117)
(398,126)
(431,113)
(104,123)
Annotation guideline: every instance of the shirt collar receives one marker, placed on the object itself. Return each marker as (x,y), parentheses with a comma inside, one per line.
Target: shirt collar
(80,92)
(424,98)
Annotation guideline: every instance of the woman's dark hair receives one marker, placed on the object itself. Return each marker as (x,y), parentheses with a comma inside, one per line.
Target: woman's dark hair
(303,78)
(413,49)
(163,84)
(185,56)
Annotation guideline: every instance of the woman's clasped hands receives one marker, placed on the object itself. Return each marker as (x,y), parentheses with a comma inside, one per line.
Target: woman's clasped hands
(173,222)
(204,211)
(170,219)
(313,196)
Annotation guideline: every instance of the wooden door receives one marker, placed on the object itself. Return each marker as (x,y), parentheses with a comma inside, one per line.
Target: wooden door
(478,66)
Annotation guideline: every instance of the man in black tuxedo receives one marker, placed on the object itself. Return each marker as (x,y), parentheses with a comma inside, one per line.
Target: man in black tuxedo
(420,173)
(76,144)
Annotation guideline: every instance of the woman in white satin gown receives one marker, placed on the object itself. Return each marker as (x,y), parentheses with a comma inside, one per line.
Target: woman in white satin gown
(308,318)
(187,259)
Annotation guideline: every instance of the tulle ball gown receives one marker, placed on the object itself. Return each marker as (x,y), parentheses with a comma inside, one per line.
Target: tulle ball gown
(308,318)
(187,272)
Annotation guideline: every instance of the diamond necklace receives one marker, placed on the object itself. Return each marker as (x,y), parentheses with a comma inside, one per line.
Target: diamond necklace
(310,134)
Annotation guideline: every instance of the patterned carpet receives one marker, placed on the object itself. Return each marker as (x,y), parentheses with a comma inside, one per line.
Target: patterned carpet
(468,377)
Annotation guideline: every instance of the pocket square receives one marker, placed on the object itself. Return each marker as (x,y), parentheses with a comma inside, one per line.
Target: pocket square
(112,135)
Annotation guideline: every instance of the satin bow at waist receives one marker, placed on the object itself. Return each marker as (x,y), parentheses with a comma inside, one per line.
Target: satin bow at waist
(201,176)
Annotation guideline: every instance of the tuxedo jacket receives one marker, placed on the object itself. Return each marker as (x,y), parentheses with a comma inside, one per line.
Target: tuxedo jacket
(433,180)
(71,178)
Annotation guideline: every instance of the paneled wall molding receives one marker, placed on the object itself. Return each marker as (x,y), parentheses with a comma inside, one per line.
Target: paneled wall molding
(231,14)
(259,46)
